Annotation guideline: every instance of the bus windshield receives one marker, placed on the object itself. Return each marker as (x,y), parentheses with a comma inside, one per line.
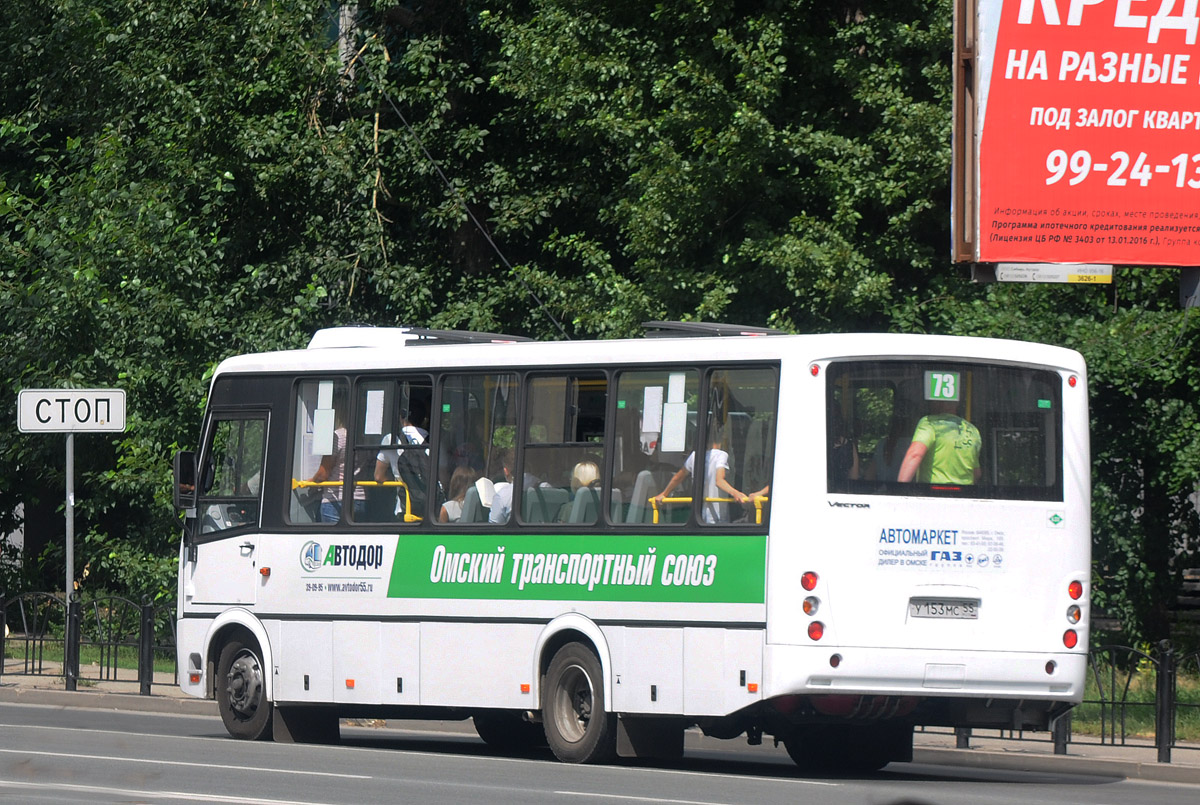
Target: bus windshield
(940,427)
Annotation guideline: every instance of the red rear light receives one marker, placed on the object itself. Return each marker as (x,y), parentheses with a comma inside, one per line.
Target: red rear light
(1075,589)
(1070,639)
(816,630)
(1072,380)
(809,581)
(815,370)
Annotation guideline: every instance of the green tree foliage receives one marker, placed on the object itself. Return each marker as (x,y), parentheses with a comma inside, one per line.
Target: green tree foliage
(159,179)
(182,181)
(744,161)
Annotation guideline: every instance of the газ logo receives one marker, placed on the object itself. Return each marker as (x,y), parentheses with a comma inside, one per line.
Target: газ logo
(310,556)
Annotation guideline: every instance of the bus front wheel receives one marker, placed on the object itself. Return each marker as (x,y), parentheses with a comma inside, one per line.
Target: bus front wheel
(241,690)
(579,728)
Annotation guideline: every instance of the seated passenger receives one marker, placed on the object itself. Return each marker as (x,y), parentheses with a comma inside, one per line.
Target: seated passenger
(460,482)
(502,502)
(586,475)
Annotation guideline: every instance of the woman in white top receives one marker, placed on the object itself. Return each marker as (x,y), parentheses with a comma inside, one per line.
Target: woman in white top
(460,482)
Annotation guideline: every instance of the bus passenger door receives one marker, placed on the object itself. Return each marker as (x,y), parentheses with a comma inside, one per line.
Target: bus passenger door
(220,565)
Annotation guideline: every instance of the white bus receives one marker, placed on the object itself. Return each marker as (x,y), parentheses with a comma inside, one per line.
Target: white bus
(396,523)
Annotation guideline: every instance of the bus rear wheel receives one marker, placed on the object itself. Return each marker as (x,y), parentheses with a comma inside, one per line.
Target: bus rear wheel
(838,749)
(579,728)
(242,691)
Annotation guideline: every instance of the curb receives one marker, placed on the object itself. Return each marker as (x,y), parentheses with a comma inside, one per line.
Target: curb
(103,700)
(1058,764)
(964,758)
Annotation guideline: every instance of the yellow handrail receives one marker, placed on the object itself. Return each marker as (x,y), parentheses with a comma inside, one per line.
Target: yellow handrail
(409,517)
(758,501)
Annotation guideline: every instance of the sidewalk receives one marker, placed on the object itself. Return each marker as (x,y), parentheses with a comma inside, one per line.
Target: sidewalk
(1135,760)
(122,693)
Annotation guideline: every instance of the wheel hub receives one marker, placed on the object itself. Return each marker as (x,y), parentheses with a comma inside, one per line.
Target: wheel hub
(576,690)
(245,685)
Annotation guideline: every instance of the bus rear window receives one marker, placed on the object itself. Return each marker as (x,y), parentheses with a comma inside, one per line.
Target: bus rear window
(944,428)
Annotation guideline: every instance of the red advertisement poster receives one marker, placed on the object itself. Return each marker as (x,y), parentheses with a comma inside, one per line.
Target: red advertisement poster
(1089,121)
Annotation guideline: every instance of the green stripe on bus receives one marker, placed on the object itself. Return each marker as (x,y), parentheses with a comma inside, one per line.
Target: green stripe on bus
(547,567)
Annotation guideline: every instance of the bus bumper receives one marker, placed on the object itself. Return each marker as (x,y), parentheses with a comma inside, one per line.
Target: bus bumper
(1043,676)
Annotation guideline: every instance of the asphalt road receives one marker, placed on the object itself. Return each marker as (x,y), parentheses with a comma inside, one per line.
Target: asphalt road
(69,755)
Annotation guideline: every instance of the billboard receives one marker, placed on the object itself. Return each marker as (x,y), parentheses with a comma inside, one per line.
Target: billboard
(1077,127)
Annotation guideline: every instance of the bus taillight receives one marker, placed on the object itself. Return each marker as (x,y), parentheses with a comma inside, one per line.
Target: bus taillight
(1070,638)
(1075,589)
(816,630)
(809,581)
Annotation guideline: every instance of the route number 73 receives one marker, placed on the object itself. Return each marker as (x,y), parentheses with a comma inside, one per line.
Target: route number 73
(941,386)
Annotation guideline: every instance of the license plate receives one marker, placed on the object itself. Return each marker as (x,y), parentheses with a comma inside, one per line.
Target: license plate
(954,608)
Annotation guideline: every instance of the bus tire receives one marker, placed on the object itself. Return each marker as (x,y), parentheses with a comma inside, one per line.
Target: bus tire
(579,728)
(241,689)
(508,731)
(836,749)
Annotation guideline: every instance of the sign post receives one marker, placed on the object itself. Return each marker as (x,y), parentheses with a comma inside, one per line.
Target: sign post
(71,411)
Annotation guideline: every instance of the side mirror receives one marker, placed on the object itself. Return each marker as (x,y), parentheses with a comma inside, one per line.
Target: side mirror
(185,479)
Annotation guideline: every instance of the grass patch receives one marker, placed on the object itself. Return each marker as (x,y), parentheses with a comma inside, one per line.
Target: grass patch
(1123,704)
(51,650)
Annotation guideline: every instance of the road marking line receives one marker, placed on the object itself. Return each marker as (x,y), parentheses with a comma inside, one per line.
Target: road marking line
(72,756)
(714,775)
(146,794)
(628,798)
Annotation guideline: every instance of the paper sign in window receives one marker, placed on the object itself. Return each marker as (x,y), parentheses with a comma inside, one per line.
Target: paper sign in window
(373,418)
(652,401)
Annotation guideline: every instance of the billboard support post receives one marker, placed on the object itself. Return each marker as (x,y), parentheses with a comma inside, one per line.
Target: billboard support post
(1189,287)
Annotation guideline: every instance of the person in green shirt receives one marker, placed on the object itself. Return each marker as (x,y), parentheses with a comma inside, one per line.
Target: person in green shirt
(945,449)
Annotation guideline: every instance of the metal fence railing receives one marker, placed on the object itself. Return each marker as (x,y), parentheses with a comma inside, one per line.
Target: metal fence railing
(100,639)
(1133,697)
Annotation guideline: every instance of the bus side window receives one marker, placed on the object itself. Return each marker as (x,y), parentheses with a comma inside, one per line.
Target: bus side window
(655,429)
(741,444)
(476,427)
(564,449)
(230,491)
(392,461)
(318,451)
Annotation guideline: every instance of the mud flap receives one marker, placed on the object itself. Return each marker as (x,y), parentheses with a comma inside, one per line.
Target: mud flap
(306,725)
(659,738)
